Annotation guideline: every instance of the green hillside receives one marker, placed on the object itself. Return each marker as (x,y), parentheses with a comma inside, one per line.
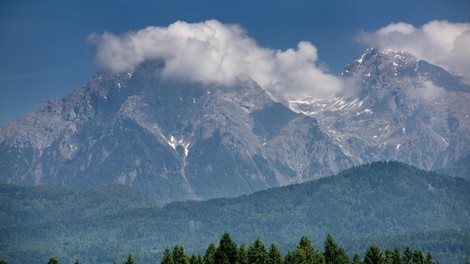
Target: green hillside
(41,204)
(386,203)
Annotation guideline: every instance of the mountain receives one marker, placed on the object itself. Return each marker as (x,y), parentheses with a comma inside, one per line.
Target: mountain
(400,108)
(177,141)
(386,203)
(171,140)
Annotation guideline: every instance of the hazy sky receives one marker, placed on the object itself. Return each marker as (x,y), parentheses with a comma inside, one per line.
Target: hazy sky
(44,52)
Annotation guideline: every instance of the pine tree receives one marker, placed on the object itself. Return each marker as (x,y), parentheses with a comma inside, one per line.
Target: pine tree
(167,256)
(330,250)
(396,256)
(342,257)
(418,257)
(306,251)
(356,259)
(226,253)
(407,256)
(129,260)
(291,258)
(429,259)
(373,255)
(195,259)
(333,253)
(242,255)
(3,261)
(209,257)
(274,255)
(179,257)
(319,258)
(53,260)
(389,256)
(257,253)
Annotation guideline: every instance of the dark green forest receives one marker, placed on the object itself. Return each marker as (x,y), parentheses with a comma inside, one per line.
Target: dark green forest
(387,204)
(228,252)
(257,253)
(48,203)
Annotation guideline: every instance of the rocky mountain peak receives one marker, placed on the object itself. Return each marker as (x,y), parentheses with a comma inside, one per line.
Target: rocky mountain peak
(379,65)
(382,61)
(402,108)
(170,139)
(176,140)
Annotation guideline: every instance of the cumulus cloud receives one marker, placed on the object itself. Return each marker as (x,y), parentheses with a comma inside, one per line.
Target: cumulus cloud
(213,52)
(439,42)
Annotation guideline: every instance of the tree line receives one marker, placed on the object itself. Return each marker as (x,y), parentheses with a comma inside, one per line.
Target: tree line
(228,252)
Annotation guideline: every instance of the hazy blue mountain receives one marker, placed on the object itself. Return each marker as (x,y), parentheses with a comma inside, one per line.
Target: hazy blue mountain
(177,141)
(387,203)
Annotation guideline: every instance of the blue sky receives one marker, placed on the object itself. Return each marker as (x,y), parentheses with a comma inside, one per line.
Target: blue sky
(44,52)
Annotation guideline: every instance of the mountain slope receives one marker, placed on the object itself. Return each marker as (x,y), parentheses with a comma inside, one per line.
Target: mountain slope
(178,141)
(171,140)
(382,203)
(400,108)
(41,204)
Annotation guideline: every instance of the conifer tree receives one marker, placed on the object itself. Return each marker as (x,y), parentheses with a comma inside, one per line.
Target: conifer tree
(129,260)
(373,255)
(242,255)
(209,257)
(333,253)
(226,253)
(291,258)
(396,256)
(418,257)
(429,259)
(356,259)
(257,253)
(179,257)
(342,257)
(274,255)
(407,256)
(389,256)
(167,256)
(195,259)
(330,250)
(305,251)
(53,260)
(319,258)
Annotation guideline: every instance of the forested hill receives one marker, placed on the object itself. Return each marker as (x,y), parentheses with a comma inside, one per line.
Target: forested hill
(387,203)
(41,204)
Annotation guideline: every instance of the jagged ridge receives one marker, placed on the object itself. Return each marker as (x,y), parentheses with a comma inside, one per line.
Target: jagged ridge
(178,141)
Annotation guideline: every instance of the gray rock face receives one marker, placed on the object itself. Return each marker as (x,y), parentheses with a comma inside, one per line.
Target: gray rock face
(404,109)
(173,141)
(178,141)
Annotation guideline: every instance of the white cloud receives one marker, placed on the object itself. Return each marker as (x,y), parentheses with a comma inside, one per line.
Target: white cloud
(439,42)
(212,52)
(427,91)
